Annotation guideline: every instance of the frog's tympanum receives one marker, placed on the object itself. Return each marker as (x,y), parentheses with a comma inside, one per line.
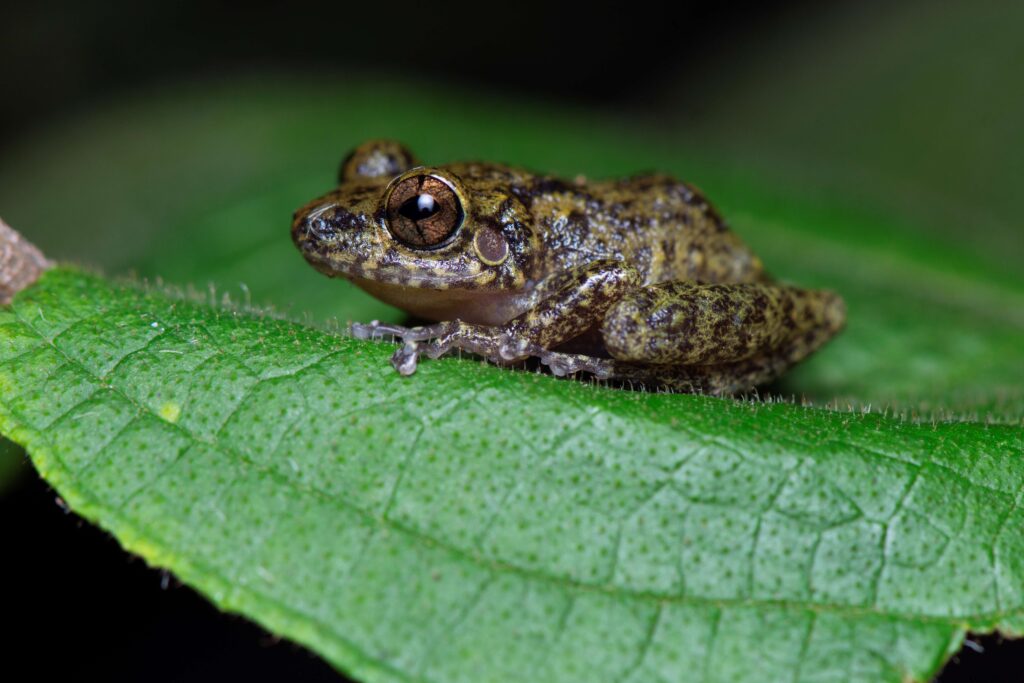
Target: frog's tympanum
(636,279)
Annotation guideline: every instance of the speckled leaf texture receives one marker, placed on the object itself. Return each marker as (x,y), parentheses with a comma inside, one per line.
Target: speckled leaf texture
(475,524)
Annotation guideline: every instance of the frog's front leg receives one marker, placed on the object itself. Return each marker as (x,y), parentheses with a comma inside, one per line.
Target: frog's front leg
(441,338)
(566,305)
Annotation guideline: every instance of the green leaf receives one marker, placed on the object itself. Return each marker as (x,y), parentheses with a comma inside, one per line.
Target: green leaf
(478,524)
(195,184)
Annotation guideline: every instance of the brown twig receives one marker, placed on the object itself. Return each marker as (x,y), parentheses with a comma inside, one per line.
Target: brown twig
(21,263)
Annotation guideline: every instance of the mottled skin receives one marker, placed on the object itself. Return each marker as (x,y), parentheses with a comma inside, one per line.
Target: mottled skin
(636,279)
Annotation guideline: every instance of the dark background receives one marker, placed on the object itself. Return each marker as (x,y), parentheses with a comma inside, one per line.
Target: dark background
(79,606)
(66,55)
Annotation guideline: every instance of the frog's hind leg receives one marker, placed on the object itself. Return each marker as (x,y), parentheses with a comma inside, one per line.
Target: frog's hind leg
(722,379)
(717,339)
(688,324)
(811,318)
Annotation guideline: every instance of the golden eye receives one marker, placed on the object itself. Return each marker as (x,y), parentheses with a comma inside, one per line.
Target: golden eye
(423,211)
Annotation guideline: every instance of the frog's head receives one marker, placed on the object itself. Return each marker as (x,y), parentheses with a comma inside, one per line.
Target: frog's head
(423,238)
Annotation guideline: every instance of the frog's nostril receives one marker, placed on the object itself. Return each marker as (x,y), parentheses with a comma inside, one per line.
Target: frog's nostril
(314,223)
(327,223)
(316,226)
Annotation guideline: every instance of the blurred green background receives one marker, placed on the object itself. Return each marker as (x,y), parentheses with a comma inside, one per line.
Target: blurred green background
(865,144)
(911,109)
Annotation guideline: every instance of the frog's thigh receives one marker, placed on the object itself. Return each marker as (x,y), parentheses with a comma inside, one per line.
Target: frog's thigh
(573,302)
(683,323)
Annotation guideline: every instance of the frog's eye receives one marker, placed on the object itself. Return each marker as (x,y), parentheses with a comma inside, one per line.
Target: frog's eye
(423,211)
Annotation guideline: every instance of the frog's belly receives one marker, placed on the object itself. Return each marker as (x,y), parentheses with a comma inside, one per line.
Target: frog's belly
(483,308)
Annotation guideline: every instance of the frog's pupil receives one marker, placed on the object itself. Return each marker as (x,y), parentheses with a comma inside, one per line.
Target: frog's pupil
(419,207)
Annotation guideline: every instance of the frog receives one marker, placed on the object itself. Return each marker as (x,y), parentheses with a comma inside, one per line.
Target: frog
(629,280)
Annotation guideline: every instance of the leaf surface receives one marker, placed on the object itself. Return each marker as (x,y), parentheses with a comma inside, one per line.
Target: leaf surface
(478,524)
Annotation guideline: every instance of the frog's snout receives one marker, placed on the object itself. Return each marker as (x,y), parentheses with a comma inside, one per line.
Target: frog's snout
(331,237)
(326,223)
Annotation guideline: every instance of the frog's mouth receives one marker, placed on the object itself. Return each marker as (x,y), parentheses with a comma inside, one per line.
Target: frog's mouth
(385,268)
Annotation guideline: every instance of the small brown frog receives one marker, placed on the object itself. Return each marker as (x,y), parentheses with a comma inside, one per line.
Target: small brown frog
(636,279)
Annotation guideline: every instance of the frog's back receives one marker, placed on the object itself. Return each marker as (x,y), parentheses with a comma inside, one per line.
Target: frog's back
(663,227)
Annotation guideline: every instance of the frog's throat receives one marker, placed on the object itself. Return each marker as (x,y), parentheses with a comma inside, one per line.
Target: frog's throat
(471,306)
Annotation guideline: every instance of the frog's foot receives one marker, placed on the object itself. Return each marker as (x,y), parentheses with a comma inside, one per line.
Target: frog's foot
(562,364)
(405,359)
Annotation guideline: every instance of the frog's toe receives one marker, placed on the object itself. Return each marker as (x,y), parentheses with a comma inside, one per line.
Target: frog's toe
(364,330)
(377,330)
(512,349)
(406,358)
(562,364)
